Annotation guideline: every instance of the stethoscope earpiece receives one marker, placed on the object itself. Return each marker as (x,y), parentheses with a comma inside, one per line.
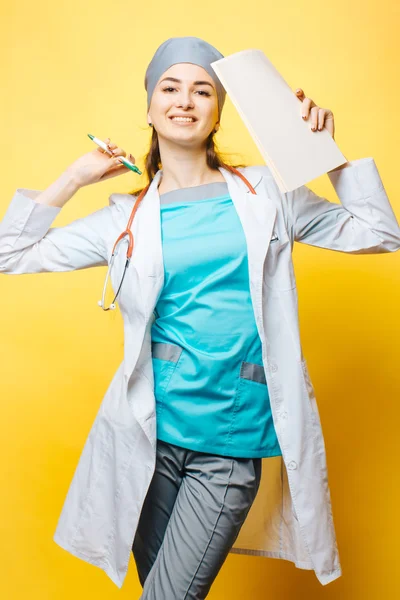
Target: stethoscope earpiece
(100,303)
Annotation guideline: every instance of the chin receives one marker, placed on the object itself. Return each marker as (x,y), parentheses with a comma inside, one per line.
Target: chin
(183,136)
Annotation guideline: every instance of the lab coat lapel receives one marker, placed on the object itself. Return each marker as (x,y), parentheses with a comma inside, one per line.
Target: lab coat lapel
(147,254)
(146,274)
(257,214)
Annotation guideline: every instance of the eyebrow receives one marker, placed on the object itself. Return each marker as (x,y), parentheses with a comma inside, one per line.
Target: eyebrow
(194,82)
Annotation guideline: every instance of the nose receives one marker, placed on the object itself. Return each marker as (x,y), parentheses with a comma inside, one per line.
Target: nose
(185,100)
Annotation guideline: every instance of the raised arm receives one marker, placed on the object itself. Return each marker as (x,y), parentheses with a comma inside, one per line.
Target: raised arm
(364,222)
(29,245)
(27,242)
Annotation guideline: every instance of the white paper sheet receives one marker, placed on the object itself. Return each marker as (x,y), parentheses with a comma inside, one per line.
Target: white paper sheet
(272,113)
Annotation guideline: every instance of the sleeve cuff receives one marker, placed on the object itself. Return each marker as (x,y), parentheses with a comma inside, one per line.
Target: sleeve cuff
(24,213)
(358,180)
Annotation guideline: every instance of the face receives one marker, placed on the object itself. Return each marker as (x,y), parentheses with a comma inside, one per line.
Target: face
(179,93)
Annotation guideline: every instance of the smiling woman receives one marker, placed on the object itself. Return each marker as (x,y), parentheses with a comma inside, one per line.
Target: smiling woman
(184,101)
(192,102)
(212,414)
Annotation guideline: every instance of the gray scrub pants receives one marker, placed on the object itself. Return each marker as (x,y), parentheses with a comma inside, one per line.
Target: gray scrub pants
(192,514)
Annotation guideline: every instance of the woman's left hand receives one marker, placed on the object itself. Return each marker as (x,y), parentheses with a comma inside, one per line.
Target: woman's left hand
(320,117)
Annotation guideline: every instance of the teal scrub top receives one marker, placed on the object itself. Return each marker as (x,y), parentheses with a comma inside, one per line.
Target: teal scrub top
(209,381)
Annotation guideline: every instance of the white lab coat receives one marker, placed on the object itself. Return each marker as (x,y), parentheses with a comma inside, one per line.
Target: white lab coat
(291,517)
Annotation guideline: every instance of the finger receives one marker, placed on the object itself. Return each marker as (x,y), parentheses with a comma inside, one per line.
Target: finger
(305,109)
(118,152)
(109,145)
(314,118)
(300,94)
(116,160)
(101,150)
(115,163)
(117,168)
(321,118)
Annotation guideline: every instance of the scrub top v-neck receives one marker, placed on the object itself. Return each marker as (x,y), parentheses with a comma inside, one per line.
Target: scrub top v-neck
(209,382)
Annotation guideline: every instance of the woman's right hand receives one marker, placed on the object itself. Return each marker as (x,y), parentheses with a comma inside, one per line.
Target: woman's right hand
(98,165)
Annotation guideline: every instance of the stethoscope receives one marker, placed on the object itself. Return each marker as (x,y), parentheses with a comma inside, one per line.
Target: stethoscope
(128,233)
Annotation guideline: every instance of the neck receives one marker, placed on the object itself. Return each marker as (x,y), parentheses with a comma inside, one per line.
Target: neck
(184,167)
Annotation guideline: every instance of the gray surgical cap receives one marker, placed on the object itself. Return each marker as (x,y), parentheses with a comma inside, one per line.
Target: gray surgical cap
(183,50)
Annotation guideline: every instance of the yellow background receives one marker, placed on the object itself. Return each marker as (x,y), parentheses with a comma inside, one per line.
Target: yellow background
(72,68)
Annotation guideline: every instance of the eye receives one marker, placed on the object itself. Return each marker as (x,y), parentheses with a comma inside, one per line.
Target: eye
(201,92)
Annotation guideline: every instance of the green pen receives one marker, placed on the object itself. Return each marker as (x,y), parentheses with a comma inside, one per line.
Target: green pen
(126,162)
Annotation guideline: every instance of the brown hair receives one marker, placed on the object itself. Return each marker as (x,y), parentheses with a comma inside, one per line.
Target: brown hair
(153,160)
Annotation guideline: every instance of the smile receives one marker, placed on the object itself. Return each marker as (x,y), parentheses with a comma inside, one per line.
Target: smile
(182,120)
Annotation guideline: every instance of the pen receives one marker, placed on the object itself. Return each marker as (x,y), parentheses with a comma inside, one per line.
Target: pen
(126,162)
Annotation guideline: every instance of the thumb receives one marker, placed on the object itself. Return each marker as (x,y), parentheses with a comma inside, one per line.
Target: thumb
(114,167)
(115,162)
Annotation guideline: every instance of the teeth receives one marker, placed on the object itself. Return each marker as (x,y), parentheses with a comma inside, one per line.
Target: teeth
(184,119)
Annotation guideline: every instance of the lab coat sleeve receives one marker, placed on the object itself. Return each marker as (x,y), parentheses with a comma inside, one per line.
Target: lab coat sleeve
(364,221)
(29,245)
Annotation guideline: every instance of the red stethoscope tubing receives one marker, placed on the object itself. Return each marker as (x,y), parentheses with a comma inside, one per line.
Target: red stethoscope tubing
(128,231)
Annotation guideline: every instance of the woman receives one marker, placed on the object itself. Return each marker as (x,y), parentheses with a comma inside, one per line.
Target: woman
(213,378)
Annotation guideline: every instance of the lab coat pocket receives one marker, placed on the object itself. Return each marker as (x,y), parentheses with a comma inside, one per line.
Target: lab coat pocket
(165,361)
(256,431)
